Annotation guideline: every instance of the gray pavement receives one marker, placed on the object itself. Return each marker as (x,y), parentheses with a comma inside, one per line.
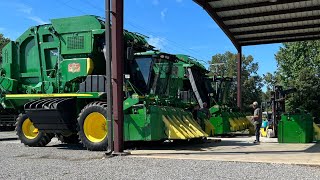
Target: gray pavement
(60,161)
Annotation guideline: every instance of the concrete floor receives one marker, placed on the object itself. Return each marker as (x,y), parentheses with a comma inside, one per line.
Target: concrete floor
(239,149)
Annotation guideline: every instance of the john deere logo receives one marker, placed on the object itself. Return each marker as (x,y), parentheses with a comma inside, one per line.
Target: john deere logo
(74,67)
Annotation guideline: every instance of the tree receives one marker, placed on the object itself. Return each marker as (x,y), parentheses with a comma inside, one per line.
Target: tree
(251,81)
(299,67)
(3,42)
(270,80)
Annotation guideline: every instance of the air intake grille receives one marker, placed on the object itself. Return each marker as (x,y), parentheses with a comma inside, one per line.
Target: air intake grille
(75,42)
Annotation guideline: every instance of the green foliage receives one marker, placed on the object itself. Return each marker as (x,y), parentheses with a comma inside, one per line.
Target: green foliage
(299,67)
(3,42)
(251,81)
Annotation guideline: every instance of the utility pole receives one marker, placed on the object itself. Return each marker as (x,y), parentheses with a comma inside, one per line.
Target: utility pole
(216,65)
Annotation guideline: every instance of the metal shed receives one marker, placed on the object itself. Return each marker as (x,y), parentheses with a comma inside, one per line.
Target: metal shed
(253,22)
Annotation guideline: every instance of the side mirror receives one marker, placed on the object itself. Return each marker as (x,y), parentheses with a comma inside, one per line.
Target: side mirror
(130,53)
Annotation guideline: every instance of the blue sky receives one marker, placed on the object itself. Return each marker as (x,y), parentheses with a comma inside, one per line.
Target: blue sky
(175,26)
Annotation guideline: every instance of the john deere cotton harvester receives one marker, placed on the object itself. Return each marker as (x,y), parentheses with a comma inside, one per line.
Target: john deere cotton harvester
(54,76)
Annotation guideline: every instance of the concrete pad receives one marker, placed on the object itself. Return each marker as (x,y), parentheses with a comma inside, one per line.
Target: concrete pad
(237,149)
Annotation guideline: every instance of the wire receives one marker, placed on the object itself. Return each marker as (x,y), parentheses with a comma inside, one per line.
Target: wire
(76,9)
(144,29)
(52,9)
(194,53)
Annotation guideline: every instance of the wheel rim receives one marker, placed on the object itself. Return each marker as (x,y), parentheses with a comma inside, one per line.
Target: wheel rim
(95,127)
(29,130)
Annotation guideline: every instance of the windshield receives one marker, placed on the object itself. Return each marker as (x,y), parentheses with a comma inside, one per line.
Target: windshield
(144,65)
(140,72)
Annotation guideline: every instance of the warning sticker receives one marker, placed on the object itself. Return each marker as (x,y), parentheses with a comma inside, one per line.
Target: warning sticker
(74,67)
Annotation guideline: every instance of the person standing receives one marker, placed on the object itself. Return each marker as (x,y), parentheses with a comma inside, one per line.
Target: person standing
(206,110)
(257,120)
(195,113)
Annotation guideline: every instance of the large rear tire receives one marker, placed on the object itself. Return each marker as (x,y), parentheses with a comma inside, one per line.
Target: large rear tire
(29,135)
(93,130)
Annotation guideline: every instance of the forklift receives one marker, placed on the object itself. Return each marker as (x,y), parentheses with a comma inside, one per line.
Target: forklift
(271,119)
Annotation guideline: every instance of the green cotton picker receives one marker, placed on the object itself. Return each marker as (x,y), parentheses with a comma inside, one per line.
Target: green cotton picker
(53,76)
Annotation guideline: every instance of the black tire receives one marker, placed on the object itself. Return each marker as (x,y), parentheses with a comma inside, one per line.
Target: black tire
(42,139)
(71,139)
(99,107)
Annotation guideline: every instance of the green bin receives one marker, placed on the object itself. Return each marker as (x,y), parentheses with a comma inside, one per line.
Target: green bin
(295,128)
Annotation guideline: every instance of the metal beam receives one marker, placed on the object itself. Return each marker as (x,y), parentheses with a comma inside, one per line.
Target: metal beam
(206,6)
(289,28)
(239,74)
(271,13)
(271,22)
(117,73)
(108,52)
(255,5)
(281,40)
(268,37)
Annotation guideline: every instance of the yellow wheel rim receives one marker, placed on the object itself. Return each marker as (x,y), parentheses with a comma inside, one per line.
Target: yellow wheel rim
(29,130)
(95,127)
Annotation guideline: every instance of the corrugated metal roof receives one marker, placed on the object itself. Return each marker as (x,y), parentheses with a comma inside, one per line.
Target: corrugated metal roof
(251,22)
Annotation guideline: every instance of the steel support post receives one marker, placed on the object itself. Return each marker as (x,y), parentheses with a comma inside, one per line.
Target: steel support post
(239,74)
(117,73)
(108,52)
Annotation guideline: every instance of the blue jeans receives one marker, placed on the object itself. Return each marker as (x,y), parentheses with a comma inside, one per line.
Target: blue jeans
(257,127)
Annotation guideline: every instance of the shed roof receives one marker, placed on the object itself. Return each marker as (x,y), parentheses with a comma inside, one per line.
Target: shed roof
(253,22)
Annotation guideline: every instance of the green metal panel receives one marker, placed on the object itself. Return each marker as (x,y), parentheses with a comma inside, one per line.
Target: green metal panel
(7,84)
(10,63)
(157,126)
(295,128)
(144,124)
(135,126)
(221,124)
(76,43)
(73,68)
(76,24)
(190,60)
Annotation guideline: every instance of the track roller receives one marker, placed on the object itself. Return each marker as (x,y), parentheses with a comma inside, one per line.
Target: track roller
(93,130)
(29,135)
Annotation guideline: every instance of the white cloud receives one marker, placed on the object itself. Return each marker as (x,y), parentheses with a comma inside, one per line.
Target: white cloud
(27,10)
(158,42)
(179,1)
(37,20)
(163,13)
(23,8)
(155,2)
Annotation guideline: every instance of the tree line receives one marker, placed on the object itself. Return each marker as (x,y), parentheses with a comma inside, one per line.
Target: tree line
(298,67)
